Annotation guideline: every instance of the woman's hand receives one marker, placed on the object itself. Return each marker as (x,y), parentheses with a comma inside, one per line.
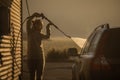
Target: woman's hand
(48,25)
(36,14)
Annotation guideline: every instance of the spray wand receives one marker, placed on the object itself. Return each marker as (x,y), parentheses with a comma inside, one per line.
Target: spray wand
(44,17)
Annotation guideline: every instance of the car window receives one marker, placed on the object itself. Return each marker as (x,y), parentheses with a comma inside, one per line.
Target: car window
(92,42)
(86,46)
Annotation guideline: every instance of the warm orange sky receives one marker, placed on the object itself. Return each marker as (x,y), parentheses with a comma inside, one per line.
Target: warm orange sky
(76,17)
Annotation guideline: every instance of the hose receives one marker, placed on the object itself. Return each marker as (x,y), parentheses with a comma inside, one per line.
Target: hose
(44,17)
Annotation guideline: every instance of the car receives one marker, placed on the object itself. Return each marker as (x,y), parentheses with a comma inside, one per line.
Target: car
(99,58)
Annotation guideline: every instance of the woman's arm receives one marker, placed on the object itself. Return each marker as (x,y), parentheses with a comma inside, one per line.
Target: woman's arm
(47,31)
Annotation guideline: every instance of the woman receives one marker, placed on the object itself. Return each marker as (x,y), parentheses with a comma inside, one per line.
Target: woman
(35,53)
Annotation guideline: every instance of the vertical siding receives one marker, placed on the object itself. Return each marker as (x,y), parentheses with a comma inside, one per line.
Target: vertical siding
(11,45)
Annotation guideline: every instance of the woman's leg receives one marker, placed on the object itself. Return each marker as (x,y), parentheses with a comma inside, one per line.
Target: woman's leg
(39,70)
(32,69)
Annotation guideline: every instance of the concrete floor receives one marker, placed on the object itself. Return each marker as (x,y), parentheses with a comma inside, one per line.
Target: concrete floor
(53,71)
(58,71)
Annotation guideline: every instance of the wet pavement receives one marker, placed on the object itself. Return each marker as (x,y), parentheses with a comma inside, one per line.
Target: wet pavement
(52,71)
(58,71)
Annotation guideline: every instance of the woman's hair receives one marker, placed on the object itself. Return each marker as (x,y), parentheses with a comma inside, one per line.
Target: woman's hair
(37,23)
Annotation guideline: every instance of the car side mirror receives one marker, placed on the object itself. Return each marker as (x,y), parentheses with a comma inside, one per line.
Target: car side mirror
(73,52)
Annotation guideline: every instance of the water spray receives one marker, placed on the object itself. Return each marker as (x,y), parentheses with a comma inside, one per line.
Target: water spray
(78,41)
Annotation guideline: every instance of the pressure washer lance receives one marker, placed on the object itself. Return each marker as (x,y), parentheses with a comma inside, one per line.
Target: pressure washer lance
(44,17)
